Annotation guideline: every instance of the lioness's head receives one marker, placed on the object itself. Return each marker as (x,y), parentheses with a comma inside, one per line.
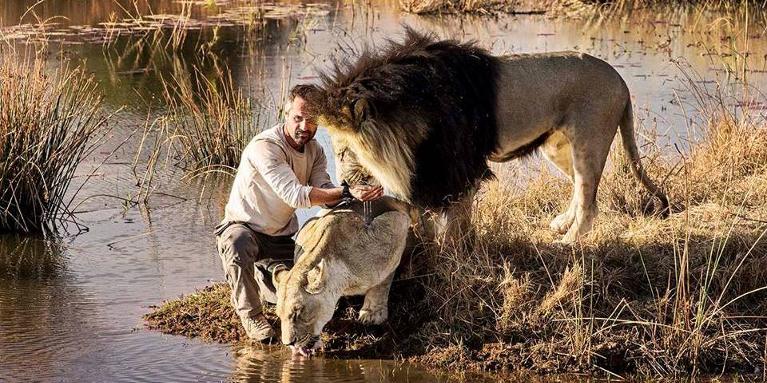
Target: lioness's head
(304,306)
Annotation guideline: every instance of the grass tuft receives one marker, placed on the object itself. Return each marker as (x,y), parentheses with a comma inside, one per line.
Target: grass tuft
(49,123)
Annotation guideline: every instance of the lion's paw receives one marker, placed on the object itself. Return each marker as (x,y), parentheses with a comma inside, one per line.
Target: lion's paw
(374,316)
(561,224)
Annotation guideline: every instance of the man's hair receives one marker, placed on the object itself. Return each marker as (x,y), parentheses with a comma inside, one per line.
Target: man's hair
(310,93)
(305,91)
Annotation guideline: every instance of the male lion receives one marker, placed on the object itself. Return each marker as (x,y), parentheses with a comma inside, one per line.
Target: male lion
(341,254)
(424,116)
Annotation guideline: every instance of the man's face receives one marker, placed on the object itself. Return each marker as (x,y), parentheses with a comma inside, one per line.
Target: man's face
(299,125)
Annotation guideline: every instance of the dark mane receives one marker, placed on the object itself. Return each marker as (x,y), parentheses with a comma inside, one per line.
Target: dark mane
(439,96)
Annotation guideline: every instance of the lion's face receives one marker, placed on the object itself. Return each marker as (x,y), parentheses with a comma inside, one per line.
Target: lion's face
(343,111)
(304,307)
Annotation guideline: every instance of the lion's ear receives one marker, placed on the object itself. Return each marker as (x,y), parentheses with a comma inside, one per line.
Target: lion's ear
(316,278)
(359,109)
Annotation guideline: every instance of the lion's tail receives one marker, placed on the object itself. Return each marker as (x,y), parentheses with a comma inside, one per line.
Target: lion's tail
(630,145)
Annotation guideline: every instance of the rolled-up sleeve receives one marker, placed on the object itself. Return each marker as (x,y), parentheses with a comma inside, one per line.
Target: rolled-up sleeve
(270,161)
(320,177)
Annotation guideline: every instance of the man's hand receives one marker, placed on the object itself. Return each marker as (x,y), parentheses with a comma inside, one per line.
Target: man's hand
(366,192)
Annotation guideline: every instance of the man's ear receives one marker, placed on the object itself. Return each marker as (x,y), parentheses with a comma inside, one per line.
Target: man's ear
(359,110)
(316,278)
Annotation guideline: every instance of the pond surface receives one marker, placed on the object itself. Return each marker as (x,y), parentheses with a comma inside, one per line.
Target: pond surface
(76,315)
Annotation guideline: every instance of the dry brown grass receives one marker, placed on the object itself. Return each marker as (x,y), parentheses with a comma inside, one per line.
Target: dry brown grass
(644,294)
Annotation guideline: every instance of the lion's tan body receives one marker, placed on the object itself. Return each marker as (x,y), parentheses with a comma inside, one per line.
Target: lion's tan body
(567,104)
(342,255)
(579,101)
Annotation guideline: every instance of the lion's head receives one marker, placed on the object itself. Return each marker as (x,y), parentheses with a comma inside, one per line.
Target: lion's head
(339,253)
(419,115)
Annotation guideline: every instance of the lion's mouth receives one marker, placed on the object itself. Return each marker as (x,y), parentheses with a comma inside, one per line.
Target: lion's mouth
(307,347)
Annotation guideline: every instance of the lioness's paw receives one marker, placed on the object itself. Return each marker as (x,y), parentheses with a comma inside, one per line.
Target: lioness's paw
(374,316)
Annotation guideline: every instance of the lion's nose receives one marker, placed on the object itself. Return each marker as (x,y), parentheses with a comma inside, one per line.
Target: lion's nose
(292,342)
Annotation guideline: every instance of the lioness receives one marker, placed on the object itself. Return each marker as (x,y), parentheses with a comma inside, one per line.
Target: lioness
(424,116)
(341,254)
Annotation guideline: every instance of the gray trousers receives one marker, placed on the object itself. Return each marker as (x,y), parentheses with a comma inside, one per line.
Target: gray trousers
(247,258)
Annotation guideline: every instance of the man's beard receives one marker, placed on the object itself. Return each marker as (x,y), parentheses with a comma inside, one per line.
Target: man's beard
(302,137)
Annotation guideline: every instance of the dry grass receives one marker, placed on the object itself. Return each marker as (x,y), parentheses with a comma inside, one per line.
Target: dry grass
(192,315)
(211,121)
(49,123)
(659,297)
(204,129)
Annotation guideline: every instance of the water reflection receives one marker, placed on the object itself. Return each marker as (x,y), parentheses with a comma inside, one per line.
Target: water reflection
(258,364)
(87,12)
(28,257)
(42,328)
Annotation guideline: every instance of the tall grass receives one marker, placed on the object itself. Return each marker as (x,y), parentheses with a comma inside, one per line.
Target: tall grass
(49,123)
(203,130)
(210,121)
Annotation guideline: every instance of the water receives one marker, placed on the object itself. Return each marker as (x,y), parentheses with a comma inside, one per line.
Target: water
(78,316)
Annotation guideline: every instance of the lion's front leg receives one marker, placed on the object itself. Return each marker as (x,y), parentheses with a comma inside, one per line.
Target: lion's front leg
(375,310)
(561,223)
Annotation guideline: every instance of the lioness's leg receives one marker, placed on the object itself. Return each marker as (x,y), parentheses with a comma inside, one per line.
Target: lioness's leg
(375,310)
(589,158)
(558,151)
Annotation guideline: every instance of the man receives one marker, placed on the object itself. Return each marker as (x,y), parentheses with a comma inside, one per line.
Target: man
(281,169)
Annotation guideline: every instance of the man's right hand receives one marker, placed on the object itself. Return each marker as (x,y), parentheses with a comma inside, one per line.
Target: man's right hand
(366,192)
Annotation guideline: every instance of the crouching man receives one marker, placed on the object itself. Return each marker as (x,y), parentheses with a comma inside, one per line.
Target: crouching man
(281,169)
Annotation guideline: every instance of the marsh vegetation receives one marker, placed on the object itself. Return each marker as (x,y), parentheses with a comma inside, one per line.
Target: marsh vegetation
(49,123)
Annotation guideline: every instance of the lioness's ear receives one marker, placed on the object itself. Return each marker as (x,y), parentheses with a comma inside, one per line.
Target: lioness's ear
(278,276)
(359,110)
(316,278)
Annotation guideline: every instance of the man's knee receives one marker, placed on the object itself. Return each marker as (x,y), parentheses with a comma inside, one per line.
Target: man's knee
(237,245)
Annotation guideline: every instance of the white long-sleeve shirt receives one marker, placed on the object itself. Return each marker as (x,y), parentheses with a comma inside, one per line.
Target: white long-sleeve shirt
(273,180)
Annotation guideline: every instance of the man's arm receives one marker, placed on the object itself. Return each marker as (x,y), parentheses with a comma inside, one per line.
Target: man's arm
(270,161)
(325,193)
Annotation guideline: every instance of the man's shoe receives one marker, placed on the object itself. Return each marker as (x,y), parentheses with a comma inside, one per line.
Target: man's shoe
(257,329)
